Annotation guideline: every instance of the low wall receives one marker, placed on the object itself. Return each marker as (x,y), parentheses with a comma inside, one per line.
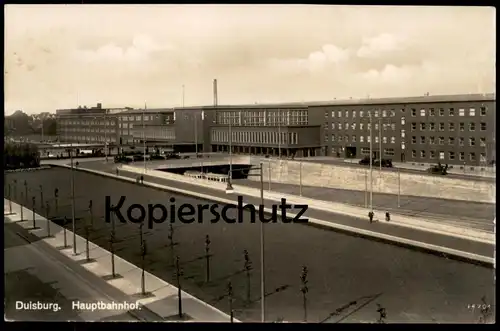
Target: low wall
(358,179)
(211,161)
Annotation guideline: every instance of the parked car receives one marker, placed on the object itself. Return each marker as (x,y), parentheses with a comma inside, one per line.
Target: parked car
(438,169)
(122,159)
(386,163)
(365,161)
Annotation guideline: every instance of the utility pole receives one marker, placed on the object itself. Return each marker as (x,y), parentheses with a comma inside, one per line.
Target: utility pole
(144,135)
(248,268)
(304,289)
(380,152)
(279,134)
(371,161)
(73,203)
(106,150)
(230,150)
(207,255)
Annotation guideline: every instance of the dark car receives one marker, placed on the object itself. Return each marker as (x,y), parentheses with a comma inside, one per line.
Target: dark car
(386,163)
(122,159)
(157,157)
(438,169)
(365,161)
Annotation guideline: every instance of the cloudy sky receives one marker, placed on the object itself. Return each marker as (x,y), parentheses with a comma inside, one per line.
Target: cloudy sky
(61,56)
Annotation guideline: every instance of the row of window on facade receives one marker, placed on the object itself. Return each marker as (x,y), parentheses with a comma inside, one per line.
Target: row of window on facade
(90,138)
(451,141)
(391,113)
(353,139)
(155,133)
(256,137)
(451,112)
(96,130)
(263,118)
(167,119)
(451,126)
(451,155)
(86,122)
(353,126)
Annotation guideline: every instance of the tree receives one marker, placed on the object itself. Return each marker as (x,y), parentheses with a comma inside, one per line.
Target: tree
(21,155)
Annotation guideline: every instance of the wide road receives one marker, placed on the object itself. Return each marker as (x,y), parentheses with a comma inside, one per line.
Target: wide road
(35,272)
(412,286)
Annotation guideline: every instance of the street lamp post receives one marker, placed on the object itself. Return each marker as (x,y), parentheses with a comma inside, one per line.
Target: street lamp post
(105,136)
(229,190)
(371,162)
(230,174)
(73,204)
(144,136)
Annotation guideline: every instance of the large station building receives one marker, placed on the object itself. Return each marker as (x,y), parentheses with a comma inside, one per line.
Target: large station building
(455,129)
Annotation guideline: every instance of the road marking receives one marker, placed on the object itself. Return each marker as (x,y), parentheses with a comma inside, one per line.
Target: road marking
(431,247)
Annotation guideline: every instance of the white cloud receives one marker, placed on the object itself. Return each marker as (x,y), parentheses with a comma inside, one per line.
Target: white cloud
(381,45)
(315,61)
(142,47)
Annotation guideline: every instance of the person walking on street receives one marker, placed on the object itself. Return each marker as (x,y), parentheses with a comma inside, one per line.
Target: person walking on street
(370,216)
(387,216)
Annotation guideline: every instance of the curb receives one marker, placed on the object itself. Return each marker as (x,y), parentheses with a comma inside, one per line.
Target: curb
(397,241)
(43,167)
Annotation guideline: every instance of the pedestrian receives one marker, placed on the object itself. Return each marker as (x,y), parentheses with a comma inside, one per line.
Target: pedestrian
(370,216)
(142,179)
(387,216)
(117,171)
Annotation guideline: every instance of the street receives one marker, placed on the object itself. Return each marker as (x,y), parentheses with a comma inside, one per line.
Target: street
(412,286)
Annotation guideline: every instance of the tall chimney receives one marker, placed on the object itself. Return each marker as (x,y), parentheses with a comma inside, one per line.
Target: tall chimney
(215,93)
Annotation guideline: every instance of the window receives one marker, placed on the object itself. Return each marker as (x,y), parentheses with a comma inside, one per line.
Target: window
(472,112)
(339,113)
(333,113)
(325,126)
(376,113)
(441,155)
(422,112)
(340,138)
(361,126)
(346,126)
(472,156)
(432,154)
(333,137)
(483,126)
(353,139)
(384,113)
(462,126)
(353,126)
(393,113)
(482,142)
(432,140)
(482,157)
(461,112)
(346,139)
(403,121)
(451,126)
(346,113)
(334,151)
(451,141)
(384,140)
(365,151)
(422,126)
(333,126)
(413,140)
(413,112)
(376,126)
(461,141)
(413,126)
(441,126)
(483,111)
(472,141)
(422,140)
(461,156)
(393,140)
(432,112)
(413,153)
(432,126)
(361,139)
(326,137)
(451,155)
(441,111)
(368,139)
(403,110)
(361,113)
(422,154)
(389,151)
(353,114)
(472,126)
(403,133)
(376,139)
(441,140)
(451,112)
(326,114)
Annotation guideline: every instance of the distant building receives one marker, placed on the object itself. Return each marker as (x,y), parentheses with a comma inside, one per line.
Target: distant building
(455,130)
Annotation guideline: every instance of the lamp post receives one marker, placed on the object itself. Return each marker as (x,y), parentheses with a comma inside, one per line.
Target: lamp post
(229,190)
(230,138)
(73,203)
(144,135)
(371,161)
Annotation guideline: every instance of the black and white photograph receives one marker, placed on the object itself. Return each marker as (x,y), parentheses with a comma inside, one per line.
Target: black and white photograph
(223,163)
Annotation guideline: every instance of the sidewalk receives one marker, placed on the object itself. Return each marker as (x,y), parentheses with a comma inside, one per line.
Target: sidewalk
(161,298)
(336,208)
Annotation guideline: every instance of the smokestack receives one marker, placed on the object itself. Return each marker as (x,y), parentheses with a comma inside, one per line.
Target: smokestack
(215,93)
